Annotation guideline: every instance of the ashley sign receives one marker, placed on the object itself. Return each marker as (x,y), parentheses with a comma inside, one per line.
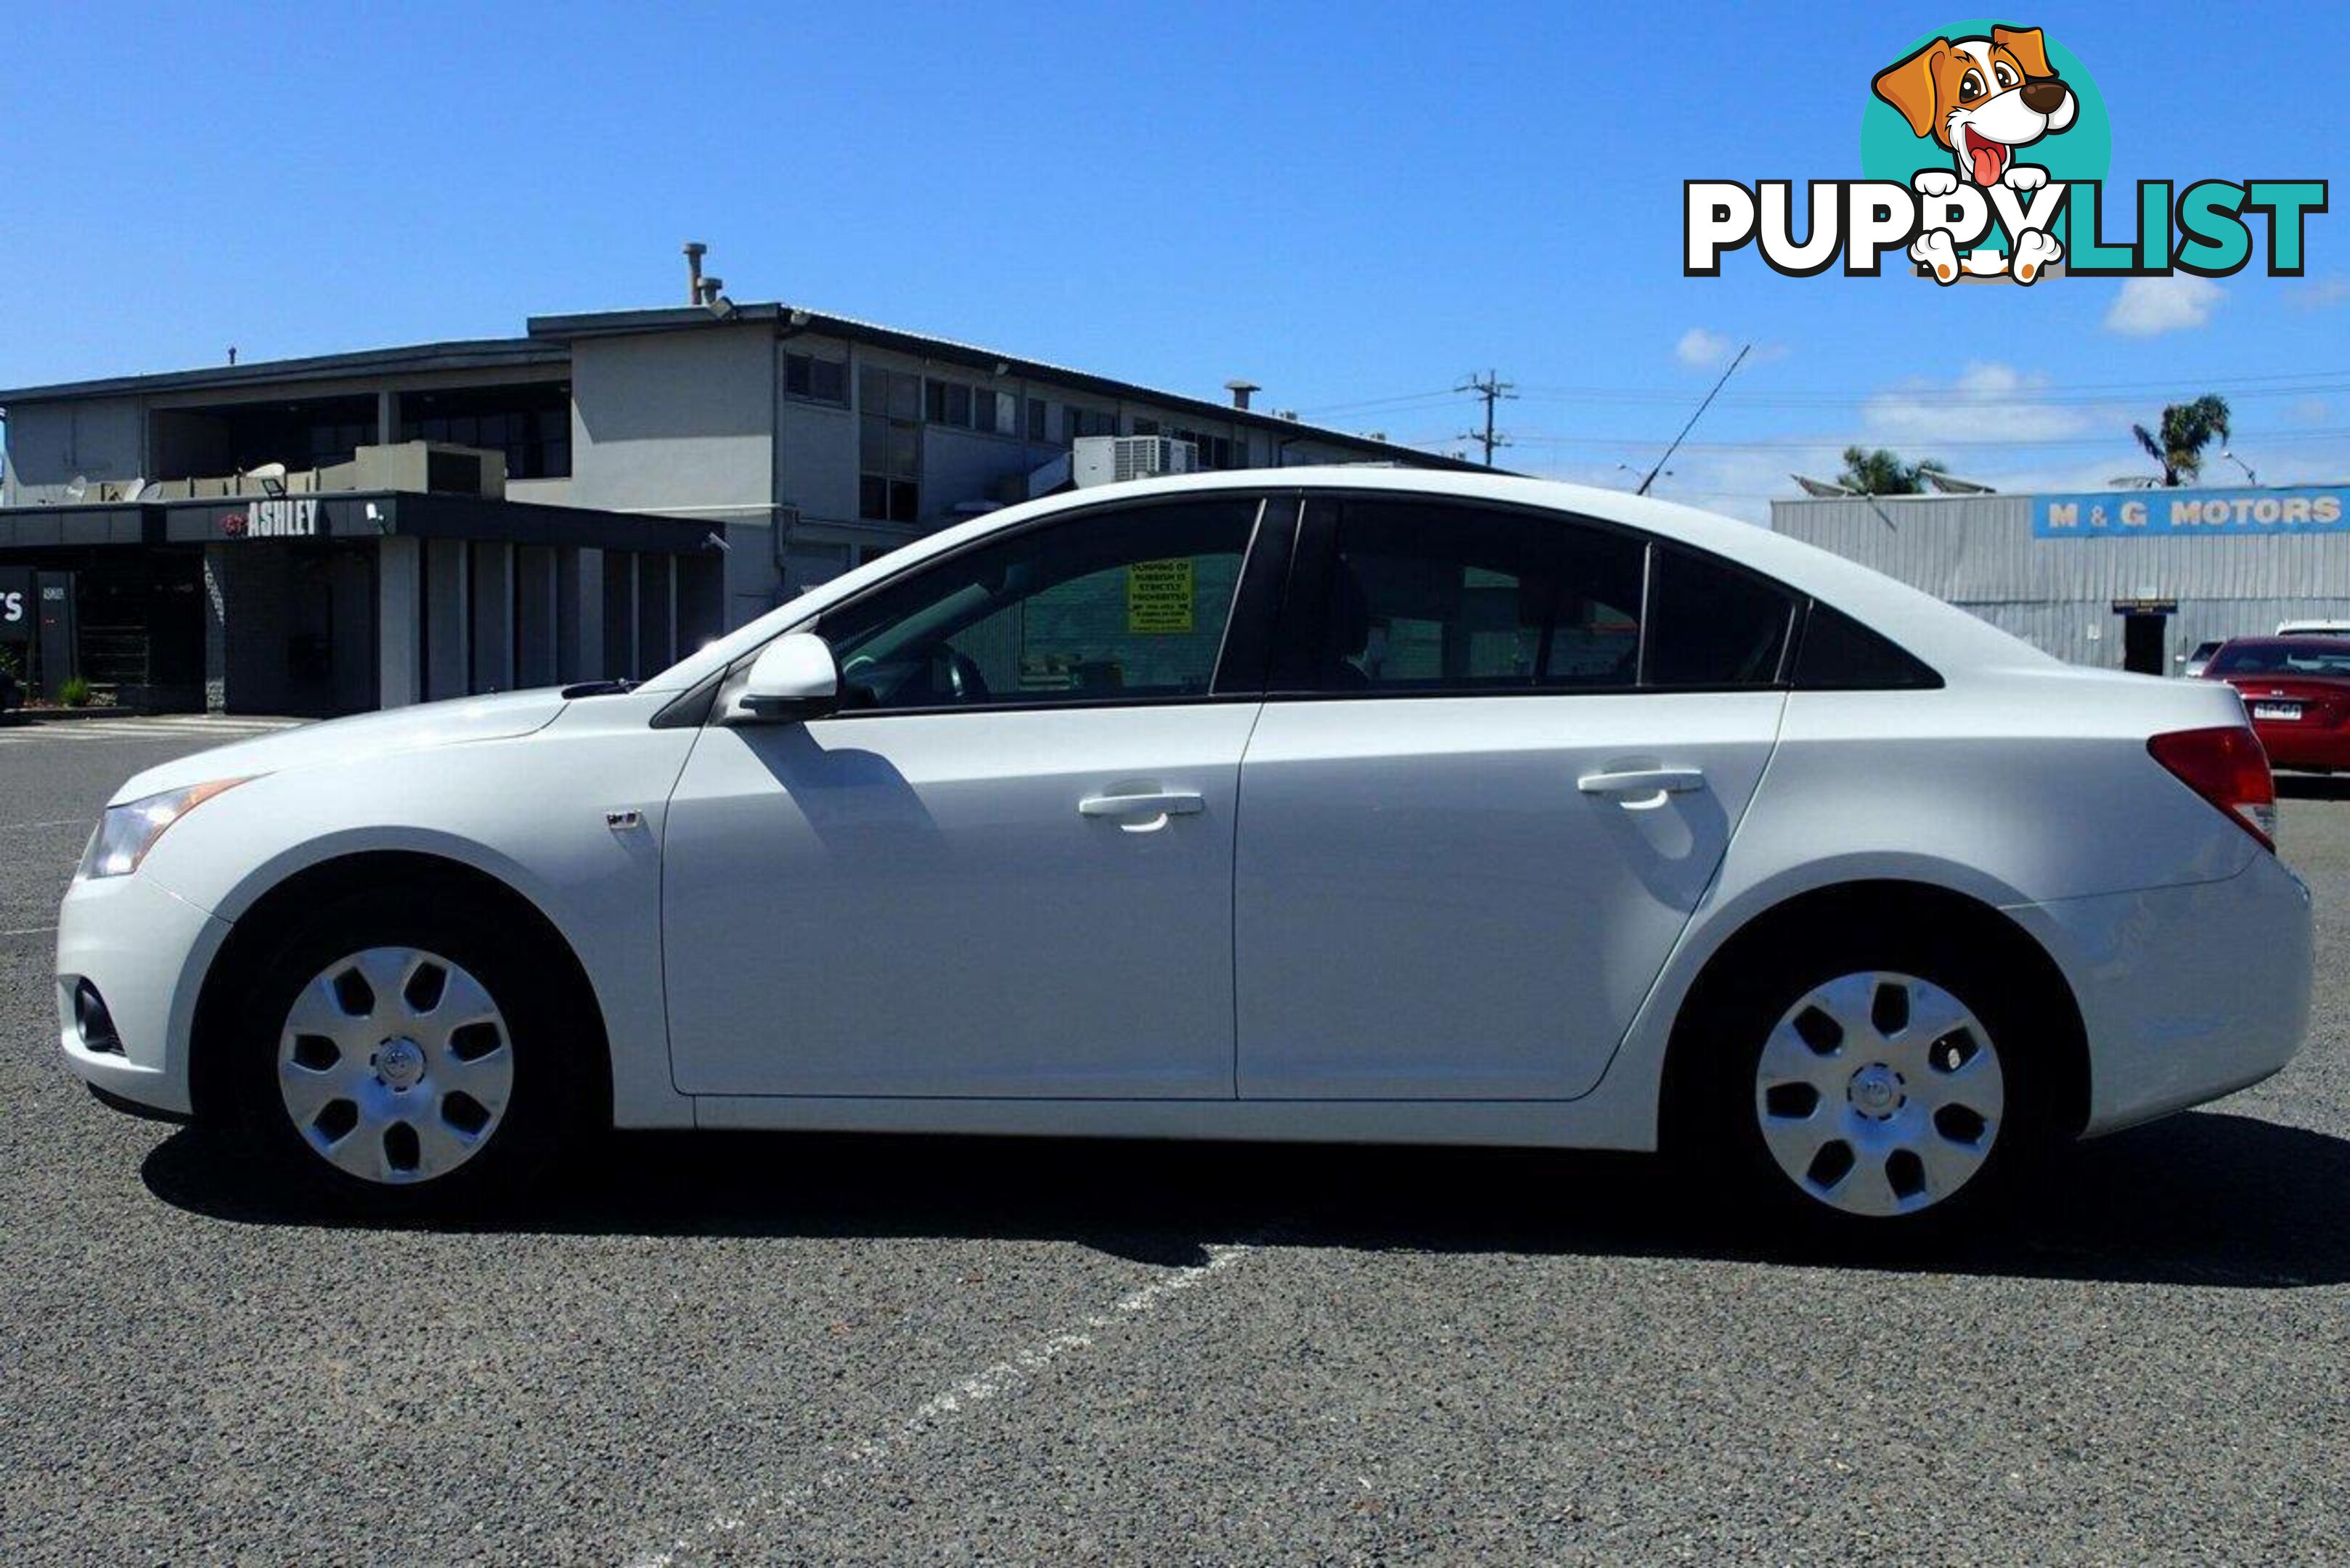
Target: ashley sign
(289,517)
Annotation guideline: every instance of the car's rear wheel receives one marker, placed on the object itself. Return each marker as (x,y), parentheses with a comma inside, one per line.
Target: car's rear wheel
(1887,1088)
(1880,1094)
(404,1058)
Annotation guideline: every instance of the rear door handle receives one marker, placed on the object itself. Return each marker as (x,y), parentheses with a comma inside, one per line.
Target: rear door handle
(1637,782)
(1142,813)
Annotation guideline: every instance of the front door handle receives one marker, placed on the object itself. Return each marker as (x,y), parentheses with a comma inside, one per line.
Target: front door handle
(1143,812)
(1642,786)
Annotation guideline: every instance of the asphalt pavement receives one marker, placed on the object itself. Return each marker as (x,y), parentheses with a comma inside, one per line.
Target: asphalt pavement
(881,1349)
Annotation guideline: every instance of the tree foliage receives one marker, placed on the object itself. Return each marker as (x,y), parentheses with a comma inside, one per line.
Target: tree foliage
(1882,473)
(2186,429)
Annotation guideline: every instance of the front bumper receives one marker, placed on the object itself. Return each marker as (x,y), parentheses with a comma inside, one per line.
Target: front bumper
(145,951)
(2188,994)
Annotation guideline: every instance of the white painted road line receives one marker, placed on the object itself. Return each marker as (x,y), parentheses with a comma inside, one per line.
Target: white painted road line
(28,932)
(166,727)
(988,1383)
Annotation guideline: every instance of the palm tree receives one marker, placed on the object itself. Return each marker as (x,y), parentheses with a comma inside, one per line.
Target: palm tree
(2186,429)
(1882,473)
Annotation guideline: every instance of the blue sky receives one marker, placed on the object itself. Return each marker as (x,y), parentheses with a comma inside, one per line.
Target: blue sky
(1355,205)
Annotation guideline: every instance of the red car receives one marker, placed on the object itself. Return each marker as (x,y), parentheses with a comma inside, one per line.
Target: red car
(2297,689)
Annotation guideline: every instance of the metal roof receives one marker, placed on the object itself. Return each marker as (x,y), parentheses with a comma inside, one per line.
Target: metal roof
(463,354)
(550,336)
(795,320)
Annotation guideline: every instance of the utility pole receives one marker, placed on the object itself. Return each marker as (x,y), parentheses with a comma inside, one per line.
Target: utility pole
(1492,389)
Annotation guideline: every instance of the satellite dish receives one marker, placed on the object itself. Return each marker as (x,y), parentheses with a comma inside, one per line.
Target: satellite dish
(271,476)
(77,487)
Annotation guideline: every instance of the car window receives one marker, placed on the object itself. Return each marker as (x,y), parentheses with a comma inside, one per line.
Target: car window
(1429,597)
(2282,658)
(1710,625)
(1839,654)
(1125,605)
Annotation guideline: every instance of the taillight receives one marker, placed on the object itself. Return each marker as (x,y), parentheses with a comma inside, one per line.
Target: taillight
(2228,767)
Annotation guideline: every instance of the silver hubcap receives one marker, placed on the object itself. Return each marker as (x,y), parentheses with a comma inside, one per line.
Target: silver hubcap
(1880,1094)
(395,1065)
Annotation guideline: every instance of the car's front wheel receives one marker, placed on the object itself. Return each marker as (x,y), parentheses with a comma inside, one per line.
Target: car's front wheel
(403,1056)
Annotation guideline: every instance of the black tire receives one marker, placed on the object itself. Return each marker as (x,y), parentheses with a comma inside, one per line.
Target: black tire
(544,1109)
(1714,1131)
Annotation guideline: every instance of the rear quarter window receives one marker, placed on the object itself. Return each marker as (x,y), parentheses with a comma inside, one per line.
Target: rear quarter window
(1839,654)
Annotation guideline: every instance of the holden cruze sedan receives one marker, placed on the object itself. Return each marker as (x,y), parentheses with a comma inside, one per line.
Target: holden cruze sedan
(1321,803)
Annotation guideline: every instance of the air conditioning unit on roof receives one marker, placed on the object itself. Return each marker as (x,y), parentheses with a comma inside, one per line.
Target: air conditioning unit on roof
(1114,460)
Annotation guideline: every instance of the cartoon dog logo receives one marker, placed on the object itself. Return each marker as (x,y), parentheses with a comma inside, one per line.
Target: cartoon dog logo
(1982,98)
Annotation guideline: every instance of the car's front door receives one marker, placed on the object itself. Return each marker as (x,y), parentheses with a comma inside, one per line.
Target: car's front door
(1004,869)
(1500,760)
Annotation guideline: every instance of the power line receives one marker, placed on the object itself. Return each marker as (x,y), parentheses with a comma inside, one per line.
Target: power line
(1492,389)
(2282,384)
(1618,444)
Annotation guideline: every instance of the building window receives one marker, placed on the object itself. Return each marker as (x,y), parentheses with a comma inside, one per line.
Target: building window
(1036,425)
(1215,450)
(996,413)
(950,404)
(1077,422)
(1146,427)
(819,380)
(889,445)
(530,424)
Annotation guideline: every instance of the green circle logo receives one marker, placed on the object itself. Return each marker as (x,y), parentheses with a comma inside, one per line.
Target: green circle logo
(2084,150)
(1979,97)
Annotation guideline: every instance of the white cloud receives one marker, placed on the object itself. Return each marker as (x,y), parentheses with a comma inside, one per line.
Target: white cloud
(1985,402)
(2317,293)
(2149,307)
(1700,350)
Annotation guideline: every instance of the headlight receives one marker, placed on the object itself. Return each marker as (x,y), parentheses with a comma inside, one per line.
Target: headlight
(125,833)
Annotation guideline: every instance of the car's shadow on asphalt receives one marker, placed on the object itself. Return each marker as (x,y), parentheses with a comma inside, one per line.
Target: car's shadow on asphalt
(2204,1198)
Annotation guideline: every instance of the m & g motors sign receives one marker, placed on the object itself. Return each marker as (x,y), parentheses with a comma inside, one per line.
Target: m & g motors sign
(2309,509)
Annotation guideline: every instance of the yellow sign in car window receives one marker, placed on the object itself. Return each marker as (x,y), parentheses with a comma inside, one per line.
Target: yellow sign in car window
(1159,595)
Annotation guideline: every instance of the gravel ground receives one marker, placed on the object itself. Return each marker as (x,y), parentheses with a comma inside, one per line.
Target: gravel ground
(867,1348)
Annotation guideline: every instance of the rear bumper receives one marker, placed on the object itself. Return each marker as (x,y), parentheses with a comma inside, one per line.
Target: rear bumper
(145,950)
(2188,994)
(2293,746)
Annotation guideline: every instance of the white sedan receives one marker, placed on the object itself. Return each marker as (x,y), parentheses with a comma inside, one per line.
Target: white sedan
(1345,805)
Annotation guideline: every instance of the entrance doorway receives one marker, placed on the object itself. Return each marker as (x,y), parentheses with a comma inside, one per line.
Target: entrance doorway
(2145,642)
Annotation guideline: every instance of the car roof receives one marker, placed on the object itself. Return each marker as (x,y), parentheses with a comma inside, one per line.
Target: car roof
(2297,642)
(1945,638)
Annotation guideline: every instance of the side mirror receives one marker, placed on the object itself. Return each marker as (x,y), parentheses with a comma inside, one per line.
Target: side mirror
(795,677)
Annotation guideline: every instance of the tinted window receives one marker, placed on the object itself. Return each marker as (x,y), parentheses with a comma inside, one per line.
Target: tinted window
(2309,657)
(1427,598)
(1127,604)
(1710,625)
(1839,654)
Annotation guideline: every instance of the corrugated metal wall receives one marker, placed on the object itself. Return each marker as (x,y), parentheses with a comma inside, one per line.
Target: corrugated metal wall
(1978,552)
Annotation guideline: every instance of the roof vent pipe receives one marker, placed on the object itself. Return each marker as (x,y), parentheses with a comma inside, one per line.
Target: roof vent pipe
(1241,387)
(695,251)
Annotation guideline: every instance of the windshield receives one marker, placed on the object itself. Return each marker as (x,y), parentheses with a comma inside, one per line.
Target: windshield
(2318,659)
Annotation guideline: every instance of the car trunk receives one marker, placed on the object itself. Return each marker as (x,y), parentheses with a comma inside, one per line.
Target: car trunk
(2305,703)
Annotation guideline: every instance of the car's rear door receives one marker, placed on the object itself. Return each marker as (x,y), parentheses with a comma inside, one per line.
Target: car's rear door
(1500,760)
